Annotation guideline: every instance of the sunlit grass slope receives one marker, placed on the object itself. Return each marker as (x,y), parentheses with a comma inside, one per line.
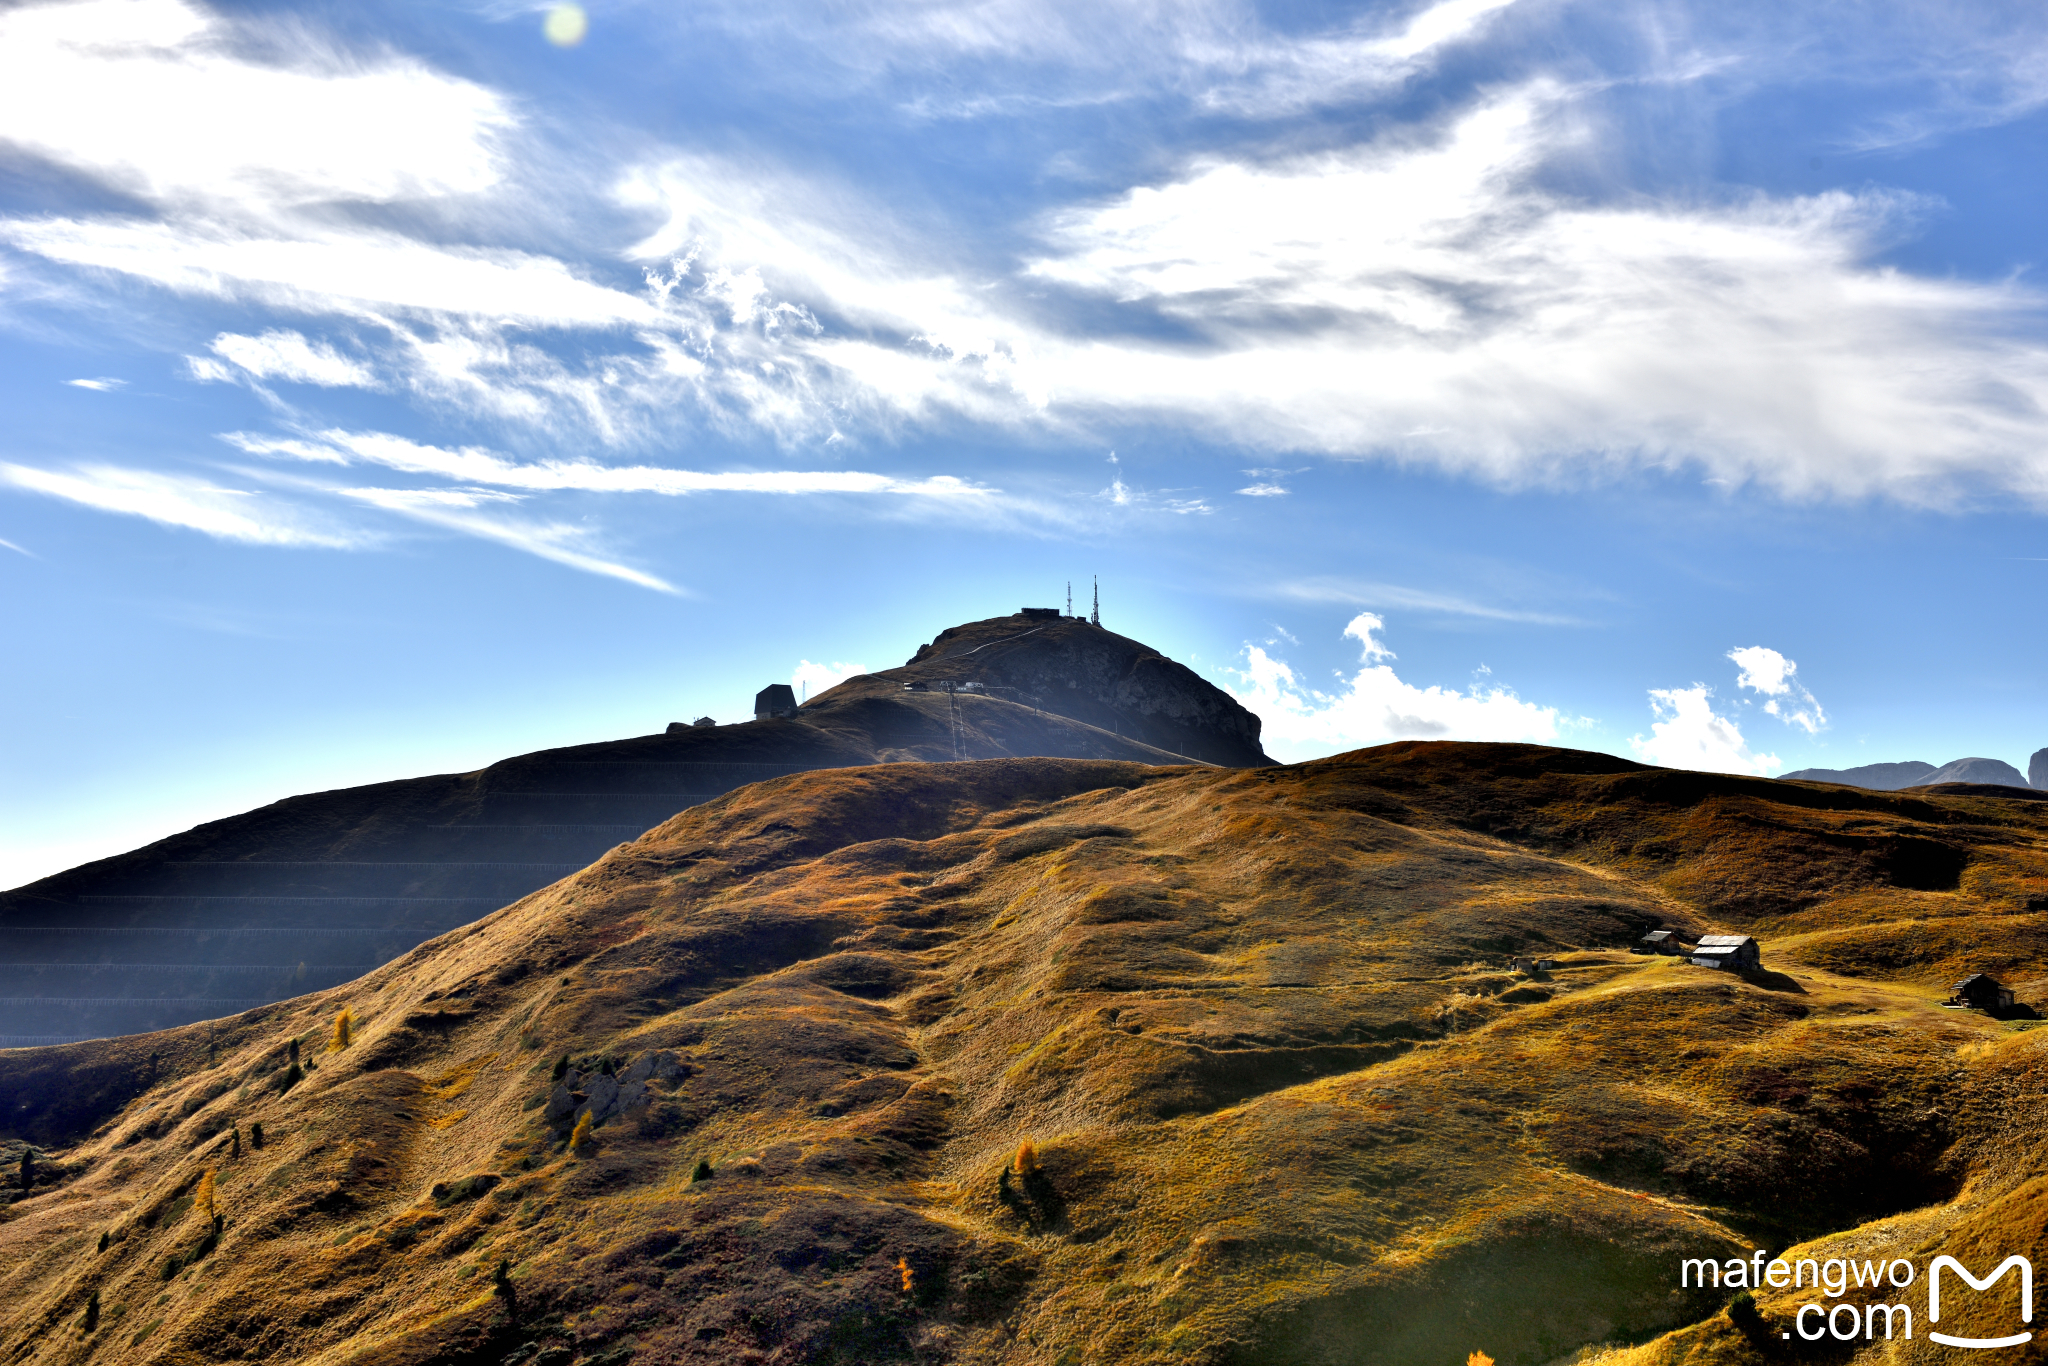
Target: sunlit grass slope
(1286,1102)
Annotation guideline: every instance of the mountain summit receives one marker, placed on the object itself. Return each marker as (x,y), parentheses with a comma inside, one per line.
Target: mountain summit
(315,890)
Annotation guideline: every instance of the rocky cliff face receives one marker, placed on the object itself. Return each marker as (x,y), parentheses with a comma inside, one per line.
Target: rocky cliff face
(1099,677)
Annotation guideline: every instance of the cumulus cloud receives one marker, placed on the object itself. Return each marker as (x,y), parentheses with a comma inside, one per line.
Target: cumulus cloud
(1764,670)
(1374,705)
(228,514)
(1686,732)
(809,678)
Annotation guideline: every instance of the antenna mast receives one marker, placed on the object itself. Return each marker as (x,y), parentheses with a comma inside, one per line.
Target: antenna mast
(1070,597)
(1095,617)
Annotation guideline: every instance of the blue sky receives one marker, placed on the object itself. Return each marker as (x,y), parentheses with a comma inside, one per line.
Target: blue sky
(391,389)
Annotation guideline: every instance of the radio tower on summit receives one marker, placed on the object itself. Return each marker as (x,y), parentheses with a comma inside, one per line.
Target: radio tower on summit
(1095,617)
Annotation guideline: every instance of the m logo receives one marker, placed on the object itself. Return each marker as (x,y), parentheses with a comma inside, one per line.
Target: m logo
(2026,1299)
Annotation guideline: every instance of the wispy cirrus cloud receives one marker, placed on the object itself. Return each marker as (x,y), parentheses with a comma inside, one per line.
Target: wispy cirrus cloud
(286,355)
(476,512)
(1406,598)
(474,465)
(195,503)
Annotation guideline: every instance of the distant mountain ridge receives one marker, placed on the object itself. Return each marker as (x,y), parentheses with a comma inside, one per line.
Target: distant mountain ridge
(1877,777)
(1918,773)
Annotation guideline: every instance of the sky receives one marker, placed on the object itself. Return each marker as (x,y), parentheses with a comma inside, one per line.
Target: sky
(391,389)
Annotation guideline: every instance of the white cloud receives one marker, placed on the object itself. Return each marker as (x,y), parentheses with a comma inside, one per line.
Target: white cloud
(464,510)
(1263,491)
(279,354)
(332,273)
(1687,733)
(1764,670)
(102,385)
(1368,594)
(1422,299)
(184,501)
(17,549)
(156,97)
(474,465)
(1282,77)
(819,677)
(1374,705)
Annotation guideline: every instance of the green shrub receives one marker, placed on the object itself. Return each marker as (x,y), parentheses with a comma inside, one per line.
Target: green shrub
(173,1264)
(703,1171)
(561,1067)
(256,1134)
(92,1313)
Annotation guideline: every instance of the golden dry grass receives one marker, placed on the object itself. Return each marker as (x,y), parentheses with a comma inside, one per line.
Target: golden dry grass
(1068,1062)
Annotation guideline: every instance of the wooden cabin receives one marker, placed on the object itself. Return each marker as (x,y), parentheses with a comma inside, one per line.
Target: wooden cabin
(1981,991)
(1729,952)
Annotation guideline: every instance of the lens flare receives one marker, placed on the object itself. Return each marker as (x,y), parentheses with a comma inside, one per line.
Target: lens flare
(566,24)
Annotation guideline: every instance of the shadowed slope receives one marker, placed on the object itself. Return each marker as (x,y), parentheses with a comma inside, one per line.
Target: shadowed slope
(315,890)
(1286,1102)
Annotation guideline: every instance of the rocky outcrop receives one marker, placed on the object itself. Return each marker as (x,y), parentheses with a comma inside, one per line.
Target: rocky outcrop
(2037,769)
(1096,676)
(602,1095)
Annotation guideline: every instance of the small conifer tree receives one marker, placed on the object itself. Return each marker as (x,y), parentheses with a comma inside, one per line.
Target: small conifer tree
(235,1148)
(295,1052)
(501,1285)
(92,1313)
(561,1067)
(256,1134)
(203,1199)
(104,1240)
(703,1171)
(293,1077)
(1027,1158)
(343,1029)
(581,1135)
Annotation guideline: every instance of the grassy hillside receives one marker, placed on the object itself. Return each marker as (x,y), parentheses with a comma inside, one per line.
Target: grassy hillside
(1080,1061)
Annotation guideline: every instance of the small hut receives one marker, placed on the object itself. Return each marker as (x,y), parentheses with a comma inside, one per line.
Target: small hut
(1531,966)
(777,699)
(1730,952)
(1658,941)
(1982,992)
